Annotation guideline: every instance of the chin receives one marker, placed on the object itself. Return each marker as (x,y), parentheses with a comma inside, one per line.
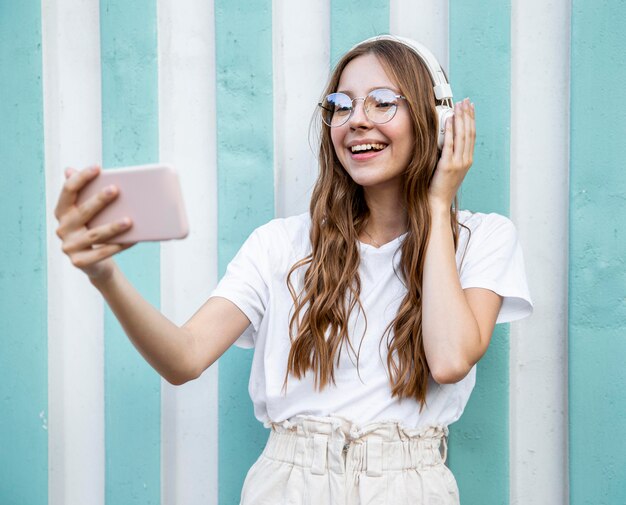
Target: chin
(372,178)
(363,180)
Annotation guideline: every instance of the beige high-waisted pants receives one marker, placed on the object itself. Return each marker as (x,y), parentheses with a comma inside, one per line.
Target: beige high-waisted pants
(331,461)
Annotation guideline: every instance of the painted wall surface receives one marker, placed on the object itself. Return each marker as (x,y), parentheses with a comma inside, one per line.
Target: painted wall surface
(245,201)
(597,273)
(239,178)
(479,54)
(130,137)
(539,202)
(351,22)
(23,325)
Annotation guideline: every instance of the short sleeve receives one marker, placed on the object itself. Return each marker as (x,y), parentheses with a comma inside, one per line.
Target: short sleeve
(245,283)
(494,260)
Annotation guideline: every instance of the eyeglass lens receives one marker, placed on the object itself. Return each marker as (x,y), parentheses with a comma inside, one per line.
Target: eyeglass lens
(380,106)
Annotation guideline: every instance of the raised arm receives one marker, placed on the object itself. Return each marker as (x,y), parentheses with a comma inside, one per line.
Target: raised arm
(178,354)
(457,324)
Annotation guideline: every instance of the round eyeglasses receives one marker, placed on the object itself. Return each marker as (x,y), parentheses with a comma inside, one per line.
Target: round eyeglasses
(380,107)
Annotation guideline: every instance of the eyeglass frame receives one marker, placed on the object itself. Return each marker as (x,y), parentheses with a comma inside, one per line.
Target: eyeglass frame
(353,108)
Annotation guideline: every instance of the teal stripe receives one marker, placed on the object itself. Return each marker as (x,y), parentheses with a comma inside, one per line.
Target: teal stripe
(480,56)
(597,277)
(23,273)
(351,22)
(245,201)
(130,136)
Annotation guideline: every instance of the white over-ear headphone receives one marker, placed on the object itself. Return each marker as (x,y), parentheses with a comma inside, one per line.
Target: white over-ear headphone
(442,88)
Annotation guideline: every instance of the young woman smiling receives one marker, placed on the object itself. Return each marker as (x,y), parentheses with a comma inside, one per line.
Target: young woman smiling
(368,314)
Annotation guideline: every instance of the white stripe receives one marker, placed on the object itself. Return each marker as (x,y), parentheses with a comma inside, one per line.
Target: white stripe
(72,127)
(300,71)
(425,21)
(187,139)
(539,206)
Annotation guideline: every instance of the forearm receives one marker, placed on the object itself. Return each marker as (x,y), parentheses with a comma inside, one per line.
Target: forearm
(164,345)
(451,335)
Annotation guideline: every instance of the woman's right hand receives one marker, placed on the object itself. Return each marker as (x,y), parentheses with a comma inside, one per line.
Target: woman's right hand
(87,247)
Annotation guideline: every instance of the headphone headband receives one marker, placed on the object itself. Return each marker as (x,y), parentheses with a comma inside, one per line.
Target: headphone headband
(442,88)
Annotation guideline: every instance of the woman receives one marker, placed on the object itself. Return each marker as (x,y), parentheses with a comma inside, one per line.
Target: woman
(367,314)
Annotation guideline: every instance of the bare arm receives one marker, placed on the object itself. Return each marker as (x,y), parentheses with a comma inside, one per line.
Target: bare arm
(457,324)
(177,353)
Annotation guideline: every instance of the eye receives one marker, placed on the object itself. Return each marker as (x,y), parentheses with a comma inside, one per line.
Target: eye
(338,103)
(384,105)
(382,100)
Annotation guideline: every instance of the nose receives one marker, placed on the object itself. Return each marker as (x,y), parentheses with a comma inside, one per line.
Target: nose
(359,118)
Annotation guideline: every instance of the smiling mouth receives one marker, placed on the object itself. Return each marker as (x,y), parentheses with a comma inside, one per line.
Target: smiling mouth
(366,148)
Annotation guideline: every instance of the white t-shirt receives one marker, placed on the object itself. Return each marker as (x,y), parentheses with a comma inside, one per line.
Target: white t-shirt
(255,281)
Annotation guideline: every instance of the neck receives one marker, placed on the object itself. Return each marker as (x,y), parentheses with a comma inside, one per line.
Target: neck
(387,219)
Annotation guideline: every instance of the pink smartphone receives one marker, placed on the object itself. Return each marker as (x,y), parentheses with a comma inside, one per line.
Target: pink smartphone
(148,194)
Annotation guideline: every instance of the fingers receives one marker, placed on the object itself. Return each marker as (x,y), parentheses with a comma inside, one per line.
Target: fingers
(470,132)
(72,217)
(459,143)
(74,181)
(88,249)
(448,143)
(88,209)
(77,217)
(85,258)
(85,239)
(459,133)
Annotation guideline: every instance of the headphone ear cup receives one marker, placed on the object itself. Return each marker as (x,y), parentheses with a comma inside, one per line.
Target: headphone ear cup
(443,113)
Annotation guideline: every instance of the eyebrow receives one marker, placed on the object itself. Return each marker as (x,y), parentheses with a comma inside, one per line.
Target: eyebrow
(349,92)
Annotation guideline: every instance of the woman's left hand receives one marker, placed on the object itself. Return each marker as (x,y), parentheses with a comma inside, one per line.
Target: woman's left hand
(457,156)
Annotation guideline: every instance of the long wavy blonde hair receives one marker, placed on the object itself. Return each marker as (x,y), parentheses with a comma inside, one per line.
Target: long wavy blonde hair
(318,327)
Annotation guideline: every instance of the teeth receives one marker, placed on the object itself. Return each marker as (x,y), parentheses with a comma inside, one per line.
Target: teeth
(367,147)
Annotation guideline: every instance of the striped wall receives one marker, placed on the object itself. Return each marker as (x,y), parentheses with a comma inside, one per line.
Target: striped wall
(24,402)
(226,91)
(480,458)
(73,136)
(245,199)
(597,273)
(128,52)
(187,137)
(539,200)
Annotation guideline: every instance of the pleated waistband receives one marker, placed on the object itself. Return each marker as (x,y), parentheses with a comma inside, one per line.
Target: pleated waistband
(339,445)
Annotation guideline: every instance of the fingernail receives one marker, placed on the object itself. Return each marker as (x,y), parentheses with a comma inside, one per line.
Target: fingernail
(472,105)
(109,190)
(124,222)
